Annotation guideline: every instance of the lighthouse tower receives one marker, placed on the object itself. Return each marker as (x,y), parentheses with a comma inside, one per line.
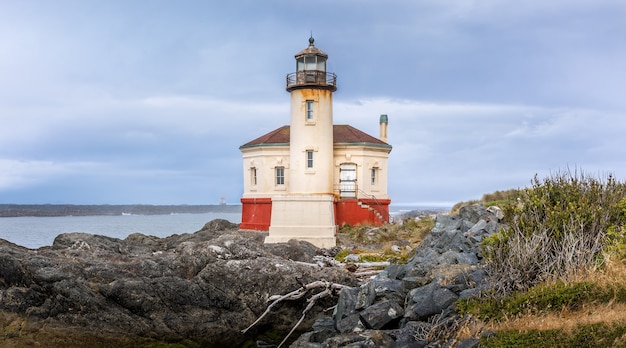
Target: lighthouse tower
(306,210)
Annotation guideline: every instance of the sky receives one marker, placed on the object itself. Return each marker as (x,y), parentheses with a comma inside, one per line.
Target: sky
(147,102)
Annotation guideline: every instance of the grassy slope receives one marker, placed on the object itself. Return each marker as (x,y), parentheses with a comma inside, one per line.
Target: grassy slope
(585,312)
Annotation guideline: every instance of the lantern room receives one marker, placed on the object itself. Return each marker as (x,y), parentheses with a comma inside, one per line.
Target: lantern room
(311,70)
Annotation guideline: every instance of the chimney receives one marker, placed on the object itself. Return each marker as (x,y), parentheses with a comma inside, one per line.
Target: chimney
(383,127)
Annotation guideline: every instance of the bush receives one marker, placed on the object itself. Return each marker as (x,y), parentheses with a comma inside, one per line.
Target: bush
(558,227)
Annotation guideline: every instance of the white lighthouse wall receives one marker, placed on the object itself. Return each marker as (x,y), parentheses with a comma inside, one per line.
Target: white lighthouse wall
(366,158)
(315,135)
(266,158)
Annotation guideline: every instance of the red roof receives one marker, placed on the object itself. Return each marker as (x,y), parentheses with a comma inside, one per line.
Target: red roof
(342,134)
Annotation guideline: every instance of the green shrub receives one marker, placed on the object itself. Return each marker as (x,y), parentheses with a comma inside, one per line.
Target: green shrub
(556,228)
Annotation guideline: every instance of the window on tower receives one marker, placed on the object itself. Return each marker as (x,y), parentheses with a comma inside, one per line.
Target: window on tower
(280,175)
(309,159)
(253,176)
(374,176)
(309,110)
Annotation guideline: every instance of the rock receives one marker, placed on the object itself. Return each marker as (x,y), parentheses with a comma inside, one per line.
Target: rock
(378,315)
(428,300)
(294,250)
(467,258)
(346,304)
(496,212)
(323,328)
(477,228)
(413,334)
(351,323)
(451,241)
(472,213)
(445,223)
(448,258)
(219,225)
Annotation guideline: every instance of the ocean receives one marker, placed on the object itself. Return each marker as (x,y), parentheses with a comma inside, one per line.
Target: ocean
(36,232)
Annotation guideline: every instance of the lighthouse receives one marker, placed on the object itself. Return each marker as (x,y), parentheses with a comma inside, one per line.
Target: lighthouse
(303,180)
(306,212)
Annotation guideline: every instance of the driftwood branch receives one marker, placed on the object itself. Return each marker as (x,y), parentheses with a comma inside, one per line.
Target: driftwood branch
(328,289)
(323,261)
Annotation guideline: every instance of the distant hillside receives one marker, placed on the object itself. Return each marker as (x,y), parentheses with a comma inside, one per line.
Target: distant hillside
(14,210)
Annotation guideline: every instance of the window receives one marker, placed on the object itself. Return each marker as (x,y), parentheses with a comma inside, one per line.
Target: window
(374,176)
(309,110)
(253,176)
(280,175)
(309,159)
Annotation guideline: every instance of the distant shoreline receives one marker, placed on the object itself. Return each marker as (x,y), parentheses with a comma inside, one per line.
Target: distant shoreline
(48,210)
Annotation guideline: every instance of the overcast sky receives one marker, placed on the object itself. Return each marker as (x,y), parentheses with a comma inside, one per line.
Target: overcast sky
(123,102)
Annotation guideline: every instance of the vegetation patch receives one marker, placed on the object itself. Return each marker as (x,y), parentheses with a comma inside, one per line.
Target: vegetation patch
(559,227)
(594,335)
(393,242)
(557,271)
(543,298)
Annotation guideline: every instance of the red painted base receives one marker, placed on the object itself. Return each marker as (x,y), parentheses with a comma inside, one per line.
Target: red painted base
(362,211)
(256,213)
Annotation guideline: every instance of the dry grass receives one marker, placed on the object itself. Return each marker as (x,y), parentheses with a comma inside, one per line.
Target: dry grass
(565,319)
(394,243)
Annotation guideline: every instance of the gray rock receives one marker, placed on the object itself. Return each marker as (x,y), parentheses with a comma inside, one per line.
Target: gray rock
(346,304)
(477,277)
(467,258)
(323,328)
(496,212)
(451,241)
(428,300)
(351,323)
(412,334)
(477,228)
(448,258)
(410,283)
(472,292)
(366,295)
(472,213)
(394,271)
(445,223)
(492,227)
(378,315)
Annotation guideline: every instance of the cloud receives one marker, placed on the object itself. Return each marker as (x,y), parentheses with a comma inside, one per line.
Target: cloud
(117,101)
(17,174)
(462,150)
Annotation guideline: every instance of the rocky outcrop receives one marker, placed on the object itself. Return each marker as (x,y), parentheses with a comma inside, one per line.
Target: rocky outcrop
(203,287)
(412,305)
